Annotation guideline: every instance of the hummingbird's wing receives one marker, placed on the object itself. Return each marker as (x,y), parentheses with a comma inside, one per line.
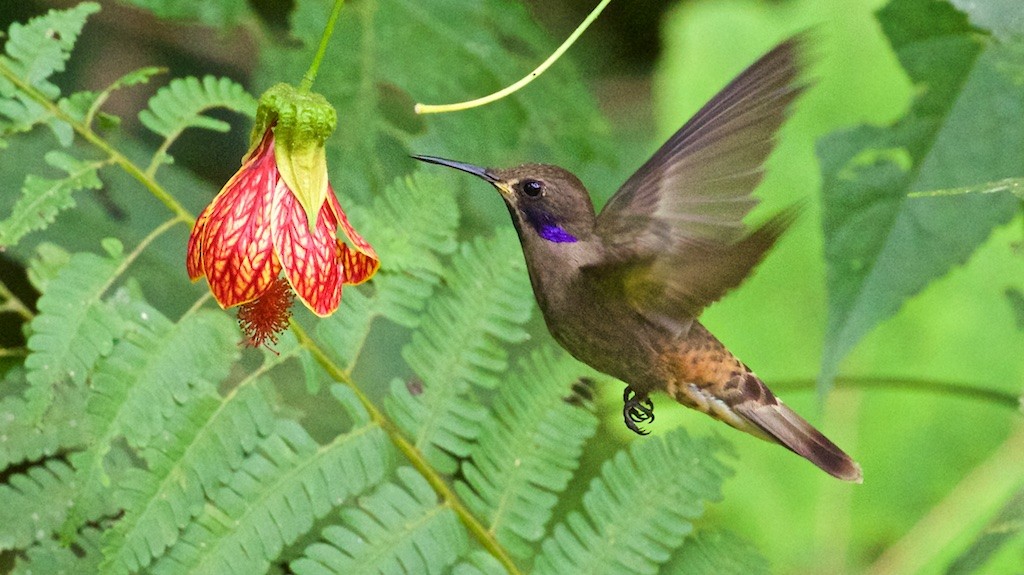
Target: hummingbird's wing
(674,232)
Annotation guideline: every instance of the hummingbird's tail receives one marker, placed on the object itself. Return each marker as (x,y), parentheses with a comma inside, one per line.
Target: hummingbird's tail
(704,375)
(778,423)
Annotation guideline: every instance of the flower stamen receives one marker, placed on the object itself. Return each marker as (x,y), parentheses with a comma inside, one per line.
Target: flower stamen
(263,318)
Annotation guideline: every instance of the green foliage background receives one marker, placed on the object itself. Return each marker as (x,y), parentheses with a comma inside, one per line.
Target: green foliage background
(431,426)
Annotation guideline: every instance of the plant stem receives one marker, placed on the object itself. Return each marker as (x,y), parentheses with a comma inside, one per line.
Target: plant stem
(482,535)
(13,303)
(1003,398)
(325,38)
(115,156)
(930,539)
(439,108)
(138,250)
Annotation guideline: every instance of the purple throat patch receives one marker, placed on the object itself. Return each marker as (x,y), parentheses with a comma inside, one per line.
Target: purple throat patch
(556,234)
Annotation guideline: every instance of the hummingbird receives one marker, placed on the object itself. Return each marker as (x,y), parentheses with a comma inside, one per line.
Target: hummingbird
(622,290)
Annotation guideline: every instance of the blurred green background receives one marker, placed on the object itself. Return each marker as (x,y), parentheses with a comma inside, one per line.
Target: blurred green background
(937,466)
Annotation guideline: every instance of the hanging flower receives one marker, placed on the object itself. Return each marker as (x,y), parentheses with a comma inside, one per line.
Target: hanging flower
(279,213)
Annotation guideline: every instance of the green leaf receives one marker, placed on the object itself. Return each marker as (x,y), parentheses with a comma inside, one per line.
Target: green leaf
(1015,297)
(74,327)
(527,453)
(154,368)
(203,442)
(714,552)
(276,496)
(83,106)
(399,528)
(398,52)
(639,509)
(1005,18)
(881,247)
(427,215)
(26,437)
(218,13)
(461,344)
(42,198)
(52,556)
(35,503)
(1004,527)
(181,104)
(34,52)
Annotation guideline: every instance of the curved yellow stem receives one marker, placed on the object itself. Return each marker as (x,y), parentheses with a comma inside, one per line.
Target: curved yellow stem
(439,108)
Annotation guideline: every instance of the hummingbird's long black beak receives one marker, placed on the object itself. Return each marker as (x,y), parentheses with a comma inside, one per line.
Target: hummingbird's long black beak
(468,168)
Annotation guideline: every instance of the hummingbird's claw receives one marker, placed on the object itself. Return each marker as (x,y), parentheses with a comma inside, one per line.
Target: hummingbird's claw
(636,411)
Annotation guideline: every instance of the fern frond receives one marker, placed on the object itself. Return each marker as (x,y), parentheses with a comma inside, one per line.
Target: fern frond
(202,444)
(426,211)
(35,503)
(154,368)
(399,528)
(85,105)
(25,437)
(181,103)
(34,51)
(51,556)
(639,509)
(715,552)
(42,198)
(526,454)
(424,207)
(479,563)
(74,327)
(277,494)
(461,344)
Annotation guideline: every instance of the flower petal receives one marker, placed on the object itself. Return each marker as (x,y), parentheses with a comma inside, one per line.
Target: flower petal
(236,245)
(309,259)
(358,264)
(194,253)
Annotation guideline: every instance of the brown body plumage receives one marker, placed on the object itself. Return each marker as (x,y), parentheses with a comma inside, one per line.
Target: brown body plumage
(621,291)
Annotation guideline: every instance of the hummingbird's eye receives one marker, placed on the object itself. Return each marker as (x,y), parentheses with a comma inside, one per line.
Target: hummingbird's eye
(532,188)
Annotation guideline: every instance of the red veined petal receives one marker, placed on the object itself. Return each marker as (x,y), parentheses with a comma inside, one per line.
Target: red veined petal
(194,253)
(309,260)
(358,264)
(356,267)
(236,245)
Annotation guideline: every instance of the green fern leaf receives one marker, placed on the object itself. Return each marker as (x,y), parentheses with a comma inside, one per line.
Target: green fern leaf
(278,493)
(155,367)
(479,563)
(527,453)
(181,104)
(639,509)
(202,444)
(42,198)
(74,327)
(34,51)
(461,345)
(35,503)
(399,528)
(423,208)
(713,552)
(53,557)
(83,106)
(24,437)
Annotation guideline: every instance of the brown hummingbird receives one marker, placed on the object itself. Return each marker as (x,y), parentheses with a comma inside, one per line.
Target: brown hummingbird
(621,290)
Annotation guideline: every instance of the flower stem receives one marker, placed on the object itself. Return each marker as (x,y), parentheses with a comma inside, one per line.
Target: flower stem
(439,108)
(472,524)
(998,397)
(325,38)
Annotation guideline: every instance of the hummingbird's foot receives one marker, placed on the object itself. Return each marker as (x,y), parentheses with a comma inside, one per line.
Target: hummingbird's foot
(636,411)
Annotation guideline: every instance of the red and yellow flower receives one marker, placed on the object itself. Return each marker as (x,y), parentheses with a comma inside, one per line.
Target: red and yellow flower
(279,213)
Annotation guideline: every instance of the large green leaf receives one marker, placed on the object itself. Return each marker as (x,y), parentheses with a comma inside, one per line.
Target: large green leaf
(387,54)
(964,127)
